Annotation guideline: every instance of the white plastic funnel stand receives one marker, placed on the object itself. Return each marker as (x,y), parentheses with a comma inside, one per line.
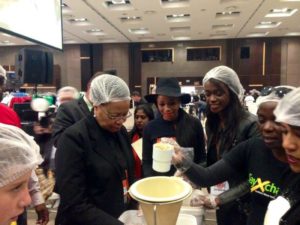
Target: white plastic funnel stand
(160,198)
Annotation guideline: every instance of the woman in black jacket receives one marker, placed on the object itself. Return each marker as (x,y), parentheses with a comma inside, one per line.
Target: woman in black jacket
(227,124)
(94,161)
(172,122)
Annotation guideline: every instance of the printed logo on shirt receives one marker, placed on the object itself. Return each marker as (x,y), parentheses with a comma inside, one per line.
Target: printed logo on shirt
(264,187)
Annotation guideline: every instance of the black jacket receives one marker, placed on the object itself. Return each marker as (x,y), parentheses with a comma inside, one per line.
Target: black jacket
(88,176)
(67,114)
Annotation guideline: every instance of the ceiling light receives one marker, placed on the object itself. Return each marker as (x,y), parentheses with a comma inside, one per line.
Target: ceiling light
(178,17)
(233,1)
(95,32)
(218,35)
(181,38)
(267,24)
(221,27)
(293,34)
(174,3)
(227,15)
(180,29)
(257,34)
(78,20)
(130,18)
(118,1)
(284,12)
(139,30)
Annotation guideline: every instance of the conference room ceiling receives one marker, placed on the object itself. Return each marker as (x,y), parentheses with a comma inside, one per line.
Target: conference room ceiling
(111,21)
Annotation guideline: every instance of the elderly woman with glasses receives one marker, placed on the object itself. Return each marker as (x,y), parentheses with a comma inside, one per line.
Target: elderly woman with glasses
(95,164)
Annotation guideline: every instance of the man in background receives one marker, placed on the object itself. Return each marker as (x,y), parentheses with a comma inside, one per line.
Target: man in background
(137,98)
(70,112)
(66,94)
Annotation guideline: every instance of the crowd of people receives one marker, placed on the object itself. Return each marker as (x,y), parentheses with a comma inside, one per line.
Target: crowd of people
(249,162)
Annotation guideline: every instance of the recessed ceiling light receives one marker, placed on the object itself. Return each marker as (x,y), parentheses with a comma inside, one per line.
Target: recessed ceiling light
(221,27)
(78,20)
(262,34)
(95,32)
(139,30)
(181,38)
(233,1)
(227,15)
(130,19)
(284,12)
(178,17)
(118,1)
(218,35)
(293,34)
(180,29)
(267,24)
(174,3)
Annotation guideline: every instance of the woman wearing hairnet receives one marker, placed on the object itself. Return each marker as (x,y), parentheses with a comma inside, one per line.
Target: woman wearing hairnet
(285,209)
(227,124)
(19,155)
(262,159)
(95,164)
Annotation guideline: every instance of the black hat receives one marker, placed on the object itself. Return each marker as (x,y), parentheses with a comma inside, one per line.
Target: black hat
(168,87)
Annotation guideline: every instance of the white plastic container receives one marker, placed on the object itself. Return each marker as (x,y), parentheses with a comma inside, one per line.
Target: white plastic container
(131,217)
(196,212)
(162,156)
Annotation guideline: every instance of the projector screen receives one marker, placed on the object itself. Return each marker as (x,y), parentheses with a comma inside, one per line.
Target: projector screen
(38,21)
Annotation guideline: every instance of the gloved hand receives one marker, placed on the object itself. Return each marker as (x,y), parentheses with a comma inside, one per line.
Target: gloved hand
(207,201)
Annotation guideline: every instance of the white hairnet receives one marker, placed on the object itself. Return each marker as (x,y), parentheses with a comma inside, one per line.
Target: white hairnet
(108,88)
(2,72)
(227,76)
(19,154)
(288,109)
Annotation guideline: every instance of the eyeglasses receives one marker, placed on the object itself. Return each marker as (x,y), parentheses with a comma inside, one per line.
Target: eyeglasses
(115,116)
